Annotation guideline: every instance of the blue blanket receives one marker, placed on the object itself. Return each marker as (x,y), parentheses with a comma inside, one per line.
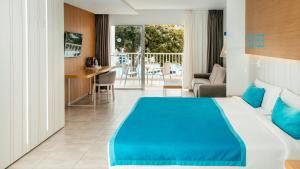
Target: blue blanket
(177,131)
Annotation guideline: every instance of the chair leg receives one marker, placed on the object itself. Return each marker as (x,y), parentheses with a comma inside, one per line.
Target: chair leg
(107,92)
(125,80)
(121,79)
(139,79)
(147,78)
(99,92)
(94,96)
(152,79)
(113,91)
(93,93)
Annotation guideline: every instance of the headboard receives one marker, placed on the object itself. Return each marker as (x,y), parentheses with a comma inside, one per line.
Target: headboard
(280,72)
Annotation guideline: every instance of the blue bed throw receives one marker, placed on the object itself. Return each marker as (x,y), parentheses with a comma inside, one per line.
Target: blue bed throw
(177,131)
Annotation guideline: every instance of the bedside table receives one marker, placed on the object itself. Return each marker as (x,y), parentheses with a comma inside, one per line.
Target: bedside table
(292,164)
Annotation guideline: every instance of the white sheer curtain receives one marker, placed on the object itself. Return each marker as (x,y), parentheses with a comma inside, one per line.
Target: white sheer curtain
(195,45)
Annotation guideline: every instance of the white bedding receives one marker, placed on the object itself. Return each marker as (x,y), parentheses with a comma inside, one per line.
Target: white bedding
(267,147)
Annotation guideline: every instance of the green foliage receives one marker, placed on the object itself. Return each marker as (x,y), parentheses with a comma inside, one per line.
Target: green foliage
(163,39)
(128,37)
(158,38)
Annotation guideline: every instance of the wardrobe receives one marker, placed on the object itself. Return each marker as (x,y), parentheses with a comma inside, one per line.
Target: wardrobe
(31,73)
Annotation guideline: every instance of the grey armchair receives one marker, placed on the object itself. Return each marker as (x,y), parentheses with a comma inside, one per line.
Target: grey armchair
(210,84)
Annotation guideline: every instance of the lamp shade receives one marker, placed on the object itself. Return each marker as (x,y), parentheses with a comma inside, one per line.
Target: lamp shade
(224,49)
(223,52)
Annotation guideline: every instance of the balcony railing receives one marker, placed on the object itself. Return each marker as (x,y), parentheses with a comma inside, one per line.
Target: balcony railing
(129,68)
(162,58)
(150,58)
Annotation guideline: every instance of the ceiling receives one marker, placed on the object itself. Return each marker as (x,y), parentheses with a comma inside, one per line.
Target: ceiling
(130,6)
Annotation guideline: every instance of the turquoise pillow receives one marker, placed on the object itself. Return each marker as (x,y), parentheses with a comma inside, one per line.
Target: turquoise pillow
(287,118)
(254,96)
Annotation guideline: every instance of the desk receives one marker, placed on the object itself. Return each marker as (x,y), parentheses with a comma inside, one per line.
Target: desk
(85,74)
(292,164)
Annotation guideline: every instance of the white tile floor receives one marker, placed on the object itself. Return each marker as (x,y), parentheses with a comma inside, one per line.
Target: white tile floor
(157,82)
(82,143)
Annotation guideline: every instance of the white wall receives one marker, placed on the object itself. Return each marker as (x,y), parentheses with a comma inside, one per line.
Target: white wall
(236,61)
(149,17)
(31,71)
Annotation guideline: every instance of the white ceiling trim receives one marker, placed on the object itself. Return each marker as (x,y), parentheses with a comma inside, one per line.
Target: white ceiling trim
(131,7)
(177,4)
(104,6)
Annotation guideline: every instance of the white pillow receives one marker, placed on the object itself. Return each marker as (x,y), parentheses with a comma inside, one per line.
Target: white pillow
(271,95)
(290,98)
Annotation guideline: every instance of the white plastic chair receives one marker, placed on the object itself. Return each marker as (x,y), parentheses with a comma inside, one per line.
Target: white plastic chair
(164,71)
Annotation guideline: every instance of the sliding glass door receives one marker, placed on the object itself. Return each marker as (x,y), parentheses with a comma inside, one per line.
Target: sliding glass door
(127,55)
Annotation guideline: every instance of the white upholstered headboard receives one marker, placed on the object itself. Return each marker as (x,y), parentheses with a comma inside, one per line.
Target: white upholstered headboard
(280,72)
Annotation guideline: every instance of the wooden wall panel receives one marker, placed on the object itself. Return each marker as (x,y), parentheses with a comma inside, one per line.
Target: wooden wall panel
(278,23)
(79,21)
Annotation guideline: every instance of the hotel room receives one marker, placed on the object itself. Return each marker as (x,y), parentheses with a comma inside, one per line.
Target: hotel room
(140,84)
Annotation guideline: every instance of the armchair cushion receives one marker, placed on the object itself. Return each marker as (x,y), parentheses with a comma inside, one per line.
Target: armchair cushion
(214,73)
(202,75)
(200,81)
(212,90)
(220,77)
(196,82)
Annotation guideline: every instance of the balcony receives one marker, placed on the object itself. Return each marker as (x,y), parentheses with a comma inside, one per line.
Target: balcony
(158,67)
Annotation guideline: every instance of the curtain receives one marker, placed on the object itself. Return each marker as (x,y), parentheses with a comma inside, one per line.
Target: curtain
(195,45)
(102,39)
(215,38)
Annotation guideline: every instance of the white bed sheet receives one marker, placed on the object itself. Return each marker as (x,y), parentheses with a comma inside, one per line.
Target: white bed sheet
(267,147)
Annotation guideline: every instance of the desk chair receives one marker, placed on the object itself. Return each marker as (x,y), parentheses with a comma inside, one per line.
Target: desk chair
(107,80)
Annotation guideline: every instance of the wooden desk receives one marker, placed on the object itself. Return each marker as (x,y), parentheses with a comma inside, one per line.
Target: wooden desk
(292,164)
(85,74)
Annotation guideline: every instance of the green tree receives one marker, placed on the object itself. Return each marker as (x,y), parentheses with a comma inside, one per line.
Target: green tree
(164,39)
(127,37)
(158,38)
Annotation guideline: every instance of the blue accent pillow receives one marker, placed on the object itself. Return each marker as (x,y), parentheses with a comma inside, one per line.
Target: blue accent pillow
(254,96)
(287,118)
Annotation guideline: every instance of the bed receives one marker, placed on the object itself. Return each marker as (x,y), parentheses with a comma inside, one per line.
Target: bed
(253,141)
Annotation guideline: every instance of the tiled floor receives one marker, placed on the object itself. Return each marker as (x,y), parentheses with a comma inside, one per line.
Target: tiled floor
(82,143)
(134,82)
